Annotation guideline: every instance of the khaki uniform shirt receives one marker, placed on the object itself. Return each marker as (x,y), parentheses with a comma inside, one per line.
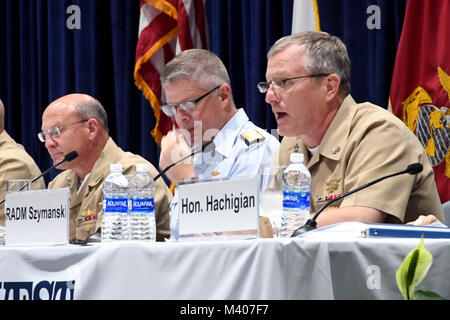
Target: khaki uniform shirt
(15,163)
(365,142)
(86,206)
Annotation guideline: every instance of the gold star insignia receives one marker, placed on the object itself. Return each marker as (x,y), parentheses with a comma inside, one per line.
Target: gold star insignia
(214,173)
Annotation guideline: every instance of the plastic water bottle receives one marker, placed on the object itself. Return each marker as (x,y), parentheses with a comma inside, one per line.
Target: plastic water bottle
(296,195)
(142,205)
(115,205)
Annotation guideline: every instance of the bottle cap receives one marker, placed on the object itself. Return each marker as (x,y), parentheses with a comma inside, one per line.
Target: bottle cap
(141,167)
(297,157)
(115,167)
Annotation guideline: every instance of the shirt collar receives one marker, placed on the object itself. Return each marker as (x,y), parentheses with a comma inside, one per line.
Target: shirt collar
(337,133)
(102,164)
(226,137)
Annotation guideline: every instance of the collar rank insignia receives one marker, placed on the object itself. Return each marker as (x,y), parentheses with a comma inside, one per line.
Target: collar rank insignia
(214,173)
(332,185)
(336,150)
(69,182)
(251,136)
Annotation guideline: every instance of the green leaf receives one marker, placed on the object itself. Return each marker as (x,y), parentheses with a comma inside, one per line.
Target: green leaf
(413,270)
(426,295)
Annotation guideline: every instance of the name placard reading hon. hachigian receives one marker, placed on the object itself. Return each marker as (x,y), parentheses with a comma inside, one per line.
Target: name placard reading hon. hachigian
(37,217)
(218,209)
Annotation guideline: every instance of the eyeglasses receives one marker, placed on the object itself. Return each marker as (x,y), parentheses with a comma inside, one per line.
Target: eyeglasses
(263,87)
(189,106)
(55,132)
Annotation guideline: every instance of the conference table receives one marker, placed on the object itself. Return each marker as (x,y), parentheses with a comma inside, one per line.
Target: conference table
(324,265)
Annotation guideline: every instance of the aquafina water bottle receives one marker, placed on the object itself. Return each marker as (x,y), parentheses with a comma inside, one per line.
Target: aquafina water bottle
(142,205)
(296,195)
(115,205)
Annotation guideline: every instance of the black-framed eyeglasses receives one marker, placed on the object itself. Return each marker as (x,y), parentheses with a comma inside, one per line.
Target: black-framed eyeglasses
(263,87)
(55,132)
(189,106)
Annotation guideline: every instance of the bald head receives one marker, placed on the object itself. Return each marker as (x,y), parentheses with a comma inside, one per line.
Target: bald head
(83,105)
(75,122)
(71,100)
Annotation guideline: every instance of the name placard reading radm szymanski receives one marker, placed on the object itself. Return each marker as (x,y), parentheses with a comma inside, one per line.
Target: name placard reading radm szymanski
(37,217)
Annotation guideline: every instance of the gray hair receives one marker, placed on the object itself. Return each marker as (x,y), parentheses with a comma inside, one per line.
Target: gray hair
(196,64)
(92,108)
(324,54)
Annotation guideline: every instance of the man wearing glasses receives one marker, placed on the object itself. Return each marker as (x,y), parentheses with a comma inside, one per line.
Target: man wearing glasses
(345,144)
(199,98)
(15,163)
(79,122)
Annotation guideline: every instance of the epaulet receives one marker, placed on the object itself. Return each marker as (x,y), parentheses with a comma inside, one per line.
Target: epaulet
(251,136)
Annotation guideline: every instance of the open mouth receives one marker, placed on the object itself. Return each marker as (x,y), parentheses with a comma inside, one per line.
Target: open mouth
(280,115)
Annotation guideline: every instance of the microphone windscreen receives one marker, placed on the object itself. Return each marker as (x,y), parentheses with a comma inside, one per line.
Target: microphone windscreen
(414,168)
(207,147)
(71,155)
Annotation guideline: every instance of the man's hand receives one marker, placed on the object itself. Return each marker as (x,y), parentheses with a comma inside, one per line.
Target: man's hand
(423,220)
(173,148)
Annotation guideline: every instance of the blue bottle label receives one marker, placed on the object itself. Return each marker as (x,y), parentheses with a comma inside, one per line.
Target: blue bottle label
(295,200)
(115,205)
(143,205)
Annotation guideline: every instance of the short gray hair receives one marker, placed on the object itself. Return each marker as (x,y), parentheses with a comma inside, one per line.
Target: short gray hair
(196,64)
(324,54)
(92,108)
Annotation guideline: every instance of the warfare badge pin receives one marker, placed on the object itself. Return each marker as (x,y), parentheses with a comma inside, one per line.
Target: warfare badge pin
(332,185)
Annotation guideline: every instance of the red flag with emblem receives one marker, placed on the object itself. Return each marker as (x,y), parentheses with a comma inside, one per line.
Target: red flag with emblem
(166,27)
(420,88)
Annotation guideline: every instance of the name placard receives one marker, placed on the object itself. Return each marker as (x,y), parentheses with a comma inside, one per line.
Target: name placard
(37,217)
(219,208)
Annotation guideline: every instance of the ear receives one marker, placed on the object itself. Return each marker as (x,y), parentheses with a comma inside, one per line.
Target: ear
(225,93)
(332,86)
(93,127)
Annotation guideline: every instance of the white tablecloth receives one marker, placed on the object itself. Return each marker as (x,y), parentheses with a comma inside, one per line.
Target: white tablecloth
(330,267)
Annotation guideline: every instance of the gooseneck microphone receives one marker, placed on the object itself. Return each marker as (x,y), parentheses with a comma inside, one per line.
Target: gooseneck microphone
(205,147)
(311,224)
(68,157)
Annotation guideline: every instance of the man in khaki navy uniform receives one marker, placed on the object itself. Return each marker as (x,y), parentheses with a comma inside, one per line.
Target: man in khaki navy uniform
(197,88)
(345,144)
(81,124)
(15,163)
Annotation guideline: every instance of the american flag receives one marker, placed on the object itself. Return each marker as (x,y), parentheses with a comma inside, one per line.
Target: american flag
(166,27)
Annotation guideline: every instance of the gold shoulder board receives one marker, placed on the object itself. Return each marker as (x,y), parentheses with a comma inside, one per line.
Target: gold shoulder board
(252,136)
